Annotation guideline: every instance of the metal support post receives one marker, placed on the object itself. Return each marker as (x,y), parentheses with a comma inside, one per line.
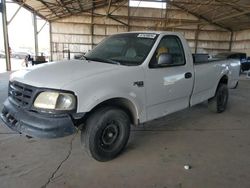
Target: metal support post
(35,33)
(197,38)
(231,41)
(128,16)
(92,29)
(14,15)
(50,41)
(5,36)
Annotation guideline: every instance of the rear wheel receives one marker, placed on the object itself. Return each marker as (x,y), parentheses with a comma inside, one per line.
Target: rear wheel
(236,85)
(106,133)
(219,102)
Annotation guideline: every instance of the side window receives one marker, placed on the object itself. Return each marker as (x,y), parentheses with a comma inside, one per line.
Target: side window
(171,45)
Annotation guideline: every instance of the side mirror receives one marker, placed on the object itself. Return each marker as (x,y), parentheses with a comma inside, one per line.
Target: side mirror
(165,59)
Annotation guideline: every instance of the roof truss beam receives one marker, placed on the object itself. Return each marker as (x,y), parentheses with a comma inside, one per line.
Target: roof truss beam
(231,16)
(197,15)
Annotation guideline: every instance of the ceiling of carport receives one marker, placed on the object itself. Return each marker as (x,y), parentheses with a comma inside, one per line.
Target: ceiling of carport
(228,14)
(56,9)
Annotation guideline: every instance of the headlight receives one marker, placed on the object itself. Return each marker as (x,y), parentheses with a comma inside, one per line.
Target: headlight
(55,101)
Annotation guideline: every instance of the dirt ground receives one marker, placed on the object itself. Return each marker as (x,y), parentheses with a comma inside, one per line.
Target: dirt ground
(216,146)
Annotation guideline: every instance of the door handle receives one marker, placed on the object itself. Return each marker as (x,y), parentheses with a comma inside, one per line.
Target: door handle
(188,75)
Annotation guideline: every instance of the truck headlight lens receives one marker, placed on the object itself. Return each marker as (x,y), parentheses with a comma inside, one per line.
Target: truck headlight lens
(55,101)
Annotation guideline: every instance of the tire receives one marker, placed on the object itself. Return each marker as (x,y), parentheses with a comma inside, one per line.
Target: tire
(236,85)
(106,133)
(218,103)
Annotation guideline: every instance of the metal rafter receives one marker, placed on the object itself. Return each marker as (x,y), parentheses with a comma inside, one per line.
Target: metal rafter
(54,10)
(63,5)
(80,5)
(14,15)
(231,16)
(210,10)
(197,15)
(29,8)
(46,5)
(237,7)
(119,21)
(109,5)
(118,6)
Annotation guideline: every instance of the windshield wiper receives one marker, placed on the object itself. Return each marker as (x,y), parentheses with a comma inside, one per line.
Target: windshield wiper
(113,61)
(104,60)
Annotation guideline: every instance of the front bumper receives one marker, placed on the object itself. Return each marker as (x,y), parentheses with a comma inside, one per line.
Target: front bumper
(35,124)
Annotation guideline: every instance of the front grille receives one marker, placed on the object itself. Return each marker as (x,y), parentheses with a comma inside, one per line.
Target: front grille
(20,93)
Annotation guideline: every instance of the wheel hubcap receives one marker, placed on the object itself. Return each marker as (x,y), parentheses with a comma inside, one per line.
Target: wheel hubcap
(110,134)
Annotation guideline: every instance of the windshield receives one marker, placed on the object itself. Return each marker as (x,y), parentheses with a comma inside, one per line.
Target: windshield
(125,49)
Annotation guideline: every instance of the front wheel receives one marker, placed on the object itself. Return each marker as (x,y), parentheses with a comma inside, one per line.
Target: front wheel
(219,102)
(106,133)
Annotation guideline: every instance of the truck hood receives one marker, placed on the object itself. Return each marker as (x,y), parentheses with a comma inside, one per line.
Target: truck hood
(57,74)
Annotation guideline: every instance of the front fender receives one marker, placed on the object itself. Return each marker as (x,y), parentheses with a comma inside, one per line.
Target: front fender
(93,91)
(92,101)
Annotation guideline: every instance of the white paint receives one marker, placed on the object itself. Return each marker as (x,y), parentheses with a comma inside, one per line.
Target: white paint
(165,89)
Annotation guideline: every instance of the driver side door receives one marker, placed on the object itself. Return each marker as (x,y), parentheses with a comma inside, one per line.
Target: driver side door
(168,88)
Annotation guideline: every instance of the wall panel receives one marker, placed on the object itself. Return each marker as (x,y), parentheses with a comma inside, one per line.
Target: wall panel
(241,41)
(82,32)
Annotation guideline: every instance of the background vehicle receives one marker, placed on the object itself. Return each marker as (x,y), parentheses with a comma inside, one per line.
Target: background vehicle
(19,55)
(79,55)
(246,65)
(2,55)
(129,78)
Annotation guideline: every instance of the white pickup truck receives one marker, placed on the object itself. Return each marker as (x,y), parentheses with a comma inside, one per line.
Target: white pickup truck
(128,79)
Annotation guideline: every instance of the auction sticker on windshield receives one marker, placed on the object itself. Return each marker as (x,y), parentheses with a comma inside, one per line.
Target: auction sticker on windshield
(146,35)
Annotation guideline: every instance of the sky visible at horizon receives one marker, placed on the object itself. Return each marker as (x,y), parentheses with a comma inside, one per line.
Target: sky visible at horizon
(21,32)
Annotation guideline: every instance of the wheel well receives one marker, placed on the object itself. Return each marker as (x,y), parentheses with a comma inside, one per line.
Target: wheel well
(121,103)
(223,80)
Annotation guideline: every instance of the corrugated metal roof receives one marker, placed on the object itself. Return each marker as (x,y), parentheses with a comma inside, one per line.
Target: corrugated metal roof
(56,9)
(229,14)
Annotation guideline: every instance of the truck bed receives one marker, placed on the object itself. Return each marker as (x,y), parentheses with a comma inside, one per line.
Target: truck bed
(205,86)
